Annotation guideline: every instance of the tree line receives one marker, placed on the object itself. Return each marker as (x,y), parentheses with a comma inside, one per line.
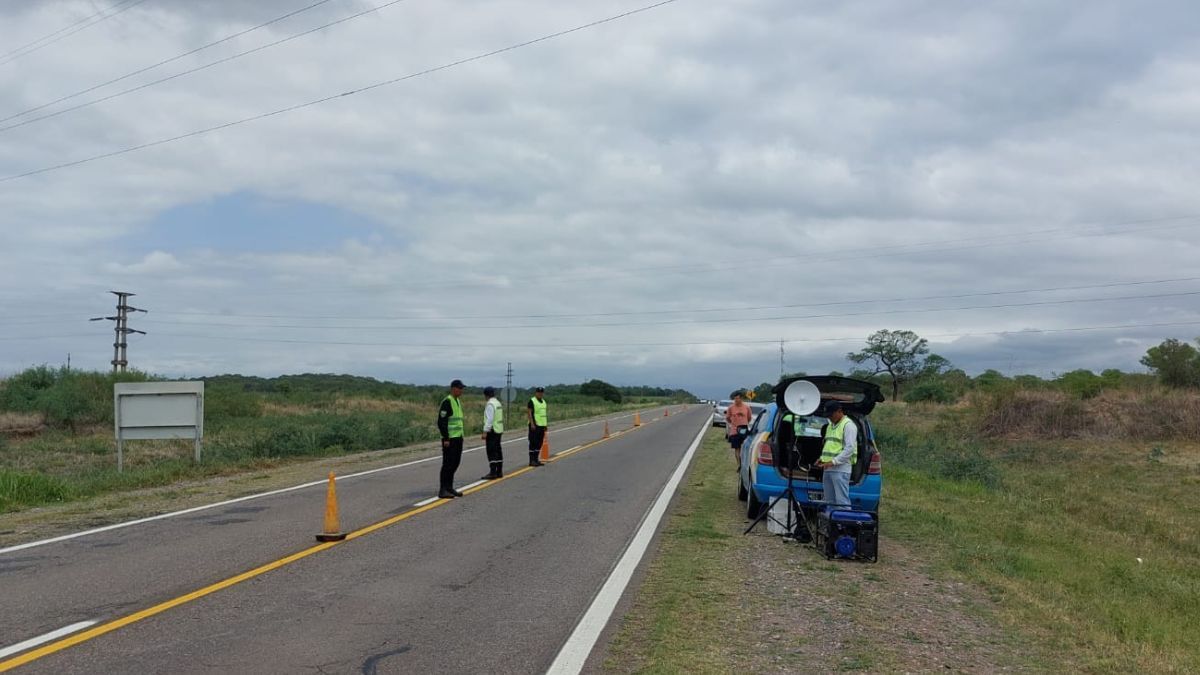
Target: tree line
(901,361)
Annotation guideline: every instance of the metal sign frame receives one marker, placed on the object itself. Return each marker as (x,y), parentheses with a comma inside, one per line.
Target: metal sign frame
(157,411)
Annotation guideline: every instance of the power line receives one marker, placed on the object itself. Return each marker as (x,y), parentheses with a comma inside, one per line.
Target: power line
(739,319)
(164,62)
(180,74)
(326,99)
(551,345)
(23,51)
(704,310)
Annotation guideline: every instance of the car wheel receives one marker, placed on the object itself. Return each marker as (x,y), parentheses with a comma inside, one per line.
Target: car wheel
(743,493)
(753,506)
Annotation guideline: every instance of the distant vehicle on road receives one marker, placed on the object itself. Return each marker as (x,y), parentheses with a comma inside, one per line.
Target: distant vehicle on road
(763,465)
(719,412)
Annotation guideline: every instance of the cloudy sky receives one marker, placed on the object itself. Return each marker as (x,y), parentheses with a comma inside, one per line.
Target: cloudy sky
(656,199)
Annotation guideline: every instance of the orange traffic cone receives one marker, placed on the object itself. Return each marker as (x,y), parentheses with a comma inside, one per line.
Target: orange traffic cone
(332,532)
(666,412)
(637,419)
(545,456)
(606,428)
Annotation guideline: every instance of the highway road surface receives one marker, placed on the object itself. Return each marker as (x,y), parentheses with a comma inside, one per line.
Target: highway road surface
(493,582)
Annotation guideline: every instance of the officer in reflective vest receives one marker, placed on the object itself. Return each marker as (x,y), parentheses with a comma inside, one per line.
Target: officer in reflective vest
(536,412)
(450,425)
(493,428)
(837,456)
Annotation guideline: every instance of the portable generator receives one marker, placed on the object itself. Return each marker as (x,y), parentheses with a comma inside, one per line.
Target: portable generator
(852,535)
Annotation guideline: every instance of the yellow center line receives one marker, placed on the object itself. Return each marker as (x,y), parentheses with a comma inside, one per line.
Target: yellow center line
(116,624)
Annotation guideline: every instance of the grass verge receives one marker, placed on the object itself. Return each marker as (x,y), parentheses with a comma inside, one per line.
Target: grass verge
(1087,544)
(715,601)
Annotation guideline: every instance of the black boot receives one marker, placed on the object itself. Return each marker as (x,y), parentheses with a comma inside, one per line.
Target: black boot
(446,493)
(533,459)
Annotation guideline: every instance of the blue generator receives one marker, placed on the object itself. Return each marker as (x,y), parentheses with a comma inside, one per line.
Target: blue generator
(850,535)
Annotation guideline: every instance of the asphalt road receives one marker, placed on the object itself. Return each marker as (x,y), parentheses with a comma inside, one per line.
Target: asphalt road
(492,582)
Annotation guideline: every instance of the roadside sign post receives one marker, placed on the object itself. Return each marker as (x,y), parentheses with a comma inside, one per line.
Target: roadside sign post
(157,411)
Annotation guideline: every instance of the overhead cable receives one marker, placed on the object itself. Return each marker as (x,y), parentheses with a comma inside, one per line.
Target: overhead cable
(326,99)
(164,62)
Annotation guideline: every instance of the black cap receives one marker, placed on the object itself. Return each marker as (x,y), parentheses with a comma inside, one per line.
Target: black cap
(489,391)
(540,389)
(832,407)
(457,384)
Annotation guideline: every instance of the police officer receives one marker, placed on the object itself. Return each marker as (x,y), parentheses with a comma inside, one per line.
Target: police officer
(450,424)
(535,411)
(493,428)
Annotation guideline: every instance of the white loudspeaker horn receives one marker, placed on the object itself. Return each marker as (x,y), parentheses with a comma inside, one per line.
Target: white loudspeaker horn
(802,397)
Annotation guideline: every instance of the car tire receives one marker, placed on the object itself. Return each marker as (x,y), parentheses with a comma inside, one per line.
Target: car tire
(753,506)
(743,493)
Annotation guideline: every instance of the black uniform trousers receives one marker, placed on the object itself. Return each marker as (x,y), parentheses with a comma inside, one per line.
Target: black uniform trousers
(536,436)
(495,454)
(451,458)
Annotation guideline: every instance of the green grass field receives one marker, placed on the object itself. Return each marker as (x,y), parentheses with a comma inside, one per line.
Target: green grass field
(1089,546)
(57,445)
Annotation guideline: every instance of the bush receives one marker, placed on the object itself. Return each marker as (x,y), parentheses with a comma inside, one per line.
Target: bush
(934,392)
(965,463)
(1082,384)
(230,401)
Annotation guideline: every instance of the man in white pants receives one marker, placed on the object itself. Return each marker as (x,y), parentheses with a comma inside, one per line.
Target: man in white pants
(837,456)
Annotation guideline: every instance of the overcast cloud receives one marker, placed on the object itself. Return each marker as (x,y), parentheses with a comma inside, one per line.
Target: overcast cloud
(701,155)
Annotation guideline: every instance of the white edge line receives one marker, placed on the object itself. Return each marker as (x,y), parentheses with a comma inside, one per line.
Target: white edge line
(574,654)
(475,484)
(426,502)
(184,512)
(43,639)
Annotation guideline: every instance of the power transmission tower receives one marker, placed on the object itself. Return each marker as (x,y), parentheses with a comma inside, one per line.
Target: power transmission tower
(120,345)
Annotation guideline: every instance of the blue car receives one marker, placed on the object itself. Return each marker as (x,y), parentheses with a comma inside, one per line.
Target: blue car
(773,447)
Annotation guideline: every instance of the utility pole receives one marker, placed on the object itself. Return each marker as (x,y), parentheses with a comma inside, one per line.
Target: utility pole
(781,360)
(120,345)
(508,388)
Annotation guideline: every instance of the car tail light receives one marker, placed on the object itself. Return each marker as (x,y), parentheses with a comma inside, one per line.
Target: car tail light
(876,466)
(765,456)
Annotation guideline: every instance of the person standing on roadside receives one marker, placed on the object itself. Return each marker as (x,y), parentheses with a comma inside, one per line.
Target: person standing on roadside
(450,425)
(737,415)
(493,428)
(837,456)
(535,411)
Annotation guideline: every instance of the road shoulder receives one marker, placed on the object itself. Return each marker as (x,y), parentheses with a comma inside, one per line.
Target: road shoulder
(714,601)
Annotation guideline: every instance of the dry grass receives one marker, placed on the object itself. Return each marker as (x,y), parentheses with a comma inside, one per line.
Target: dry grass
(1156,415)
(21,424)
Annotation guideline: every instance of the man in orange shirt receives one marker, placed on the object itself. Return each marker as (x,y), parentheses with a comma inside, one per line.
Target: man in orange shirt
(738,415)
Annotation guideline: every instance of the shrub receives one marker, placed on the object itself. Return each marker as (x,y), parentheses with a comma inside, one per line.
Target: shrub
(230,401)
(965,463)
(934,392)
(1082,384)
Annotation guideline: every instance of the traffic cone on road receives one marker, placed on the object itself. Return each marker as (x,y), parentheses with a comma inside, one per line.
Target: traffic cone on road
(666,412)
(637,419)
(606,428)
(332,530)
(545,455)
